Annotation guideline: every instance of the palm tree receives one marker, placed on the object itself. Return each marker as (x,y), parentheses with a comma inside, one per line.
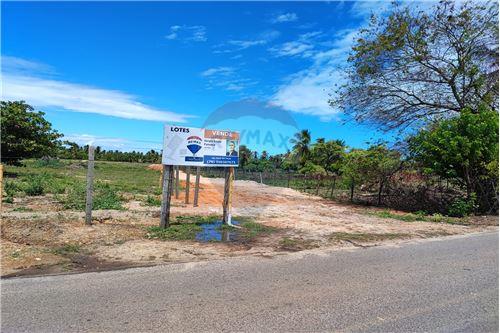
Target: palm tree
(301,143)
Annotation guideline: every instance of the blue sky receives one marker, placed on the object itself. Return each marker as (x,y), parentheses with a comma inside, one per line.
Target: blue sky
(112,73)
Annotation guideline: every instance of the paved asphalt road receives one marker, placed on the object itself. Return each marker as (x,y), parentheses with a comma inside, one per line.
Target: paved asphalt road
(448,285)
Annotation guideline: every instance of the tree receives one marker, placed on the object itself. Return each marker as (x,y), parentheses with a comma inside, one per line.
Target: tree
(412,67)
(382,163)
(355,167)
(25,133)
(245,156)
(301,142)
(463,148)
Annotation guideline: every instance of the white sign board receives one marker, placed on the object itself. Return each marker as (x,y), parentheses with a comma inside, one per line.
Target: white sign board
(200,147)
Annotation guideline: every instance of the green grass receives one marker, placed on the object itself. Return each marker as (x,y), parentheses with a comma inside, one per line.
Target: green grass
(104,197)
(67,249)
(365,237)
(297,244)
(185,227)
(59,175)
(184,231)
(152,201)
(22,209)
(418,216)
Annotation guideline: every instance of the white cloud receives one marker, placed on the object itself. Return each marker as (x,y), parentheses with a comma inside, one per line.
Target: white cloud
(309,90)
(19,65)
(245,44)
(20,81)
(186,33)
(217,71)
(287,17)
(226,78)
(234,45)
(303,46)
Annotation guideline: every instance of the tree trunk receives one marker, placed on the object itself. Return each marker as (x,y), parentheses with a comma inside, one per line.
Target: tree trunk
(333,187)
(380,188)
(352,190)
(318,184)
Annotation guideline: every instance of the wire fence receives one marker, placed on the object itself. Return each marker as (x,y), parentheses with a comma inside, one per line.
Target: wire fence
(65,179)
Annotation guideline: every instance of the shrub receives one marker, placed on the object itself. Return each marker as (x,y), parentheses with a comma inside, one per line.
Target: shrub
(463,207)
(153,201)
(35,184)
(10,189)
(104,197)
(48,163)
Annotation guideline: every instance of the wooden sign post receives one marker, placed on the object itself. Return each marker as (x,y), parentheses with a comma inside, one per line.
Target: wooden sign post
(197,147)
(196,187)
(168,181)
(177,182)
(228,191)
(188,176)
(90,186)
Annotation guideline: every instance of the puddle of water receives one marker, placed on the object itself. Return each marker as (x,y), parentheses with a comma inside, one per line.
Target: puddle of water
(213,232)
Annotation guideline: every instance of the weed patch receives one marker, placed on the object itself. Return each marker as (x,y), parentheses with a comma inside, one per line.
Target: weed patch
(365,237)
(67,249)
(418,216)
(104,197)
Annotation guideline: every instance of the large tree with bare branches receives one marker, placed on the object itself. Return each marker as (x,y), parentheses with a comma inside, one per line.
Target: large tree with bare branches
(414,66)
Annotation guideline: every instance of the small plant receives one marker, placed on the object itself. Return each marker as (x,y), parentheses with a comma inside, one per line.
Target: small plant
(10,188)
(104,197)
(47,163)
(22,209)
(183,231)
(152,201)
(463,207)
(67,249)
(35,185)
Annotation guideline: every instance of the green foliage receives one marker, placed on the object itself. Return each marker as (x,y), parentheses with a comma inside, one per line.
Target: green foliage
(10,189)
(104,197)
(152,201)
(35,185)
(312,169)
(417,216)
(71,150)
(183,231)
(25,133)
(463,207)
(463,148)
(329,155)
(301,146)
(67,249)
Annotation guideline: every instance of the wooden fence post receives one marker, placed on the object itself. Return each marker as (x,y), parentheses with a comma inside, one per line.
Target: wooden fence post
(166,195)
(188,171)
(90,186)
(196,187)
(260,174)
(228,189)
(177,182)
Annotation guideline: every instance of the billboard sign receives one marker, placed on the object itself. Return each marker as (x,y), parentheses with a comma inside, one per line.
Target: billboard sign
(200,147)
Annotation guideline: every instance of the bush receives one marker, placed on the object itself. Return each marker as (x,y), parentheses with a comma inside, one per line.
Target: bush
(10,189)
(48,163)
(463,207)
(153,201)
(35,185)
(104,197)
